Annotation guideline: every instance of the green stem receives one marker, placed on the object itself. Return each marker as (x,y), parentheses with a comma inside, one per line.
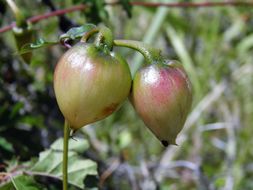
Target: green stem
(65,155)
(87,35)
(104,36)
(20,19)
(150,54)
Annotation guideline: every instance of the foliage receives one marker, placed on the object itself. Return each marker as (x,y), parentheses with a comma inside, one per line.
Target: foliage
(72,34)
(214,149)
(49,164)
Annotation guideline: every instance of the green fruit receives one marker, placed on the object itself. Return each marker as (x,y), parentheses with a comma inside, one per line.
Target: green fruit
(90,83)
(162,97)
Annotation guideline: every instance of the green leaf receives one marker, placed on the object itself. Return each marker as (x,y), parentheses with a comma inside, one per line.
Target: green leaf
(72,34)
(39,43)
(77,32)
(246,44)
(7,186)
(77,145)
(21,182)
(32,121)
(24,182)
(6,145)
(16,109)
(79,169)
(50,163)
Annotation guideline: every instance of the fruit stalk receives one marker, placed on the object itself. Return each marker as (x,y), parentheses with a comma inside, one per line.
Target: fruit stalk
(104,36)
(65,155)
(150,54)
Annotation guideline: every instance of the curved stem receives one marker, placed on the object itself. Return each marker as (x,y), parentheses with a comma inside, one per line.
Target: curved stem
(150,54)
(87,35)
(65,155)
(104,36)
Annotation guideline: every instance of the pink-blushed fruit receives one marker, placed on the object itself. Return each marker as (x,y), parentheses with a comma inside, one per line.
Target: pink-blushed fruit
(90,84)
(162,97)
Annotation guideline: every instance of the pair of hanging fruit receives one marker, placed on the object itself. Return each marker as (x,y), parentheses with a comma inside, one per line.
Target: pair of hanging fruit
(91,81)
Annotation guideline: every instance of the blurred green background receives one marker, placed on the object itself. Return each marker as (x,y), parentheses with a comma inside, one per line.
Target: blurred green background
(214,150)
